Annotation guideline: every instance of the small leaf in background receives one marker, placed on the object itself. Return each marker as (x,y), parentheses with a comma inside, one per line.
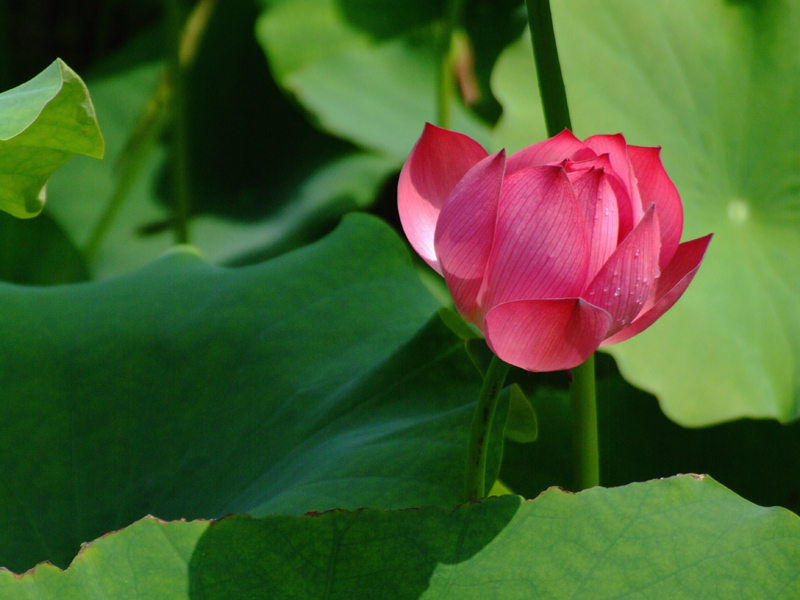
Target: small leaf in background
(374,86)
(716,85)
(43,123)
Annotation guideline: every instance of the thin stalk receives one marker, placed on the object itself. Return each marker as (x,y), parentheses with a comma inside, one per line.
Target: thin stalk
(478,445)
(180,139)
(151,124)
(548,69)
(444,72)
(586,456)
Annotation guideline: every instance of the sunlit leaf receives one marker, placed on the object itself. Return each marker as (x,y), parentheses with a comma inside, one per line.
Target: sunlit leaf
(375,91)
(682,537)
(43,123)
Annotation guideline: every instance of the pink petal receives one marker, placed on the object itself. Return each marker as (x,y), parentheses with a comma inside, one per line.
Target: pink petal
(599,206)
(657,188)
(617,150)
(546,335)
(553,150)
(438,161)
(465,231)
(668,289)
(576,167)
(625,280)
(540,249)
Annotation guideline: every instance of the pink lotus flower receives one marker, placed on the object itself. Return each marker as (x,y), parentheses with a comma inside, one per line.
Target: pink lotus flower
(558,249)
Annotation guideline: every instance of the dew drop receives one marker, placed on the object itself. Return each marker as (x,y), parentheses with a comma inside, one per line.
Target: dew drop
(617,292)
(636,254)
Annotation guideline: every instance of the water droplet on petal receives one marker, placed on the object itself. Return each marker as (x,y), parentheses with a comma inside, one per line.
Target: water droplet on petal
(617,292)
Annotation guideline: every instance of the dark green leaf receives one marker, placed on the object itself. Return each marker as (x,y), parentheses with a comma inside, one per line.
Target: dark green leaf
(320,379)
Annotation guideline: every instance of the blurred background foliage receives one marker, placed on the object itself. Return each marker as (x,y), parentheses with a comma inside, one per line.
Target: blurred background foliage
(299,111)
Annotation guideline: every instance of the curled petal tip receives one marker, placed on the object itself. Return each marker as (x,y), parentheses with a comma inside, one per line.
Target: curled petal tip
(670,286)
(438,161)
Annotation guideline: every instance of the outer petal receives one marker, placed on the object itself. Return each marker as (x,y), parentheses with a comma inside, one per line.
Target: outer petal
(655,187)
(553,150)
(546,335)
(438,161)
(465,231)
(617,150)
(541,249)
(669,287)
(624,283)
(599,206)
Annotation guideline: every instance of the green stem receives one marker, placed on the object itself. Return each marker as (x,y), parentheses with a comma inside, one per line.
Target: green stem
(586,457)
(548,69)
(556,115)
(180,143)
(444,73)
(478,445)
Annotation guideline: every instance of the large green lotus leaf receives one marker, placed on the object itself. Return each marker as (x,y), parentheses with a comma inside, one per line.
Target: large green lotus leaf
(323,378)
(262,179)
(716,84)
(43,123)
(686,537)
(683,537)
(376,92)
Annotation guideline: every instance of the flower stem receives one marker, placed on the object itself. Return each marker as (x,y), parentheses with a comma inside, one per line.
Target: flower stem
(548,69)
(180,144)
(444,74)
(586,461)
(478,445)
